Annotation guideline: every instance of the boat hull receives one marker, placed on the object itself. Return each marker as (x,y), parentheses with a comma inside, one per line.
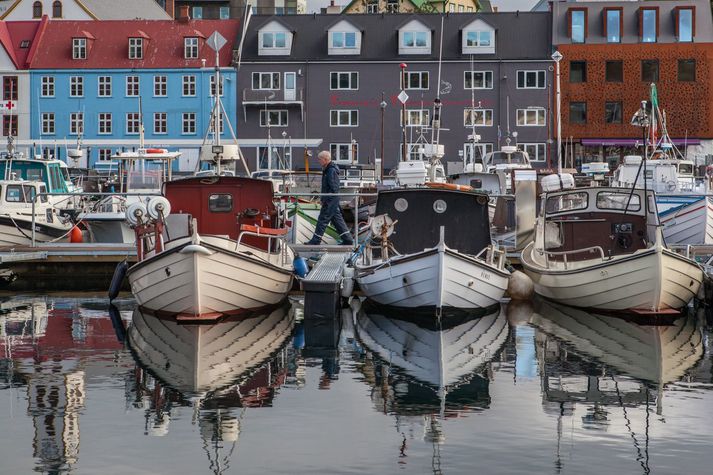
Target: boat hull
(653,280)
(202,278)
(18,232)
(686,219)
(435,278)
(304,221)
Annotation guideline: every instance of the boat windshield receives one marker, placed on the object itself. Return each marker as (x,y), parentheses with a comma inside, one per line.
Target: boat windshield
(502,158)
(145,180)
(685,169)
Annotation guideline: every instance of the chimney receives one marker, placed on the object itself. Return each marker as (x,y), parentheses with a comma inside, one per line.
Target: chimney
(183,15)
(171,8)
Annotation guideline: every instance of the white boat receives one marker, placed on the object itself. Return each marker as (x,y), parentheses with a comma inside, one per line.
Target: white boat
(17,218)
(141,174)
(439,256)
(685,211)
(222,253)
(200,359)
(602,248)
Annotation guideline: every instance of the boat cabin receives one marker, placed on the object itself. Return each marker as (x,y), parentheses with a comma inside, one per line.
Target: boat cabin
(662,175)
(504,159)
(221,204)
(54,173)
(357,176)
(421,212)
(579,223)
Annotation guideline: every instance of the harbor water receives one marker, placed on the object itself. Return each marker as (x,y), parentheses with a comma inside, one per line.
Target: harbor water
(528,388)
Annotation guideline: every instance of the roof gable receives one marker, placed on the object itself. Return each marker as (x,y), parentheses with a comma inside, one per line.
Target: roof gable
(71,9)
(343,25)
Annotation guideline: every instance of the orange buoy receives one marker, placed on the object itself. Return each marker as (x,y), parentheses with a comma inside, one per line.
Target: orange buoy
(75,235)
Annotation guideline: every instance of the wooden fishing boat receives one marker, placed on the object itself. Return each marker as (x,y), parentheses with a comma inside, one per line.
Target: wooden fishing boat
(221,252)
(438,257)
(602,248)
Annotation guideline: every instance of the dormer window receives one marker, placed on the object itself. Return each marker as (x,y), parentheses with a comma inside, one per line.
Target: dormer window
(274,40)
(478,38)
(343,39)
(37,10)
(577,24)
(685,23)
(79,48)
(136,48)
(649,24)
(414,38)
(57,9)
(190,48)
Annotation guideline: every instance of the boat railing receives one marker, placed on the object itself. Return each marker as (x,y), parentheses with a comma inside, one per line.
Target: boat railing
(271,234)
(352,195)
(79,195)
(493,256)
(564,254)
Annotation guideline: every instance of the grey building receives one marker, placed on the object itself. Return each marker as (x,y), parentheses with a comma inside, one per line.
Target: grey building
(223,9)
(317,82)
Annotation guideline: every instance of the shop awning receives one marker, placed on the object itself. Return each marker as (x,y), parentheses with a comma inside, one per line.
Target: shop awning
(634,142)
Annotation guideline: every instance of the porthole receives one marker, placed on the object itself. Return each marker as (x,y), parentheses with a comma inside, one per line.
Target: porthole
(401,205)
(439,206)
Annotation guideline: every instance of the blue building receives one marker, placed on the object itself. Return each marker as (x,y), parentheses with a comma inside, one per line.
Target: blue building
(94,79)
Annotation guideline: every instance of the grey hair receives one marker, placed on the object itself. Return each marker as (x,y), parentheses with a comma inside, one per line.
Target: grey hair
(325,154)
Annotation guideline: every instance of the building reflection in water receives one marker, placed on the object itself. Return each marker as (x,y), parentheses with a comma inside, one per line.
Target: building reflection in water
(218,369)
(43,348)
(610,366)
(425,374)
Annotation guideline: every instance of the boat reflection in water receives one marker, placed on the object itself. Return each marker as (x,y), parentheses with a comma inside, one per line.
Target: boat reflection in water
(425,374)
(611,369)
(216,368)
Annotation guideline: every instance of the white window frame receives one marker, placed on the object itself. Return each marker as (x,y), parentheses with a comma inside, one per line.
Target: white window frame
(352,118)
(160,123)
(136,48)
(487,79)
(131,82)
(468,148)
(343,36)
(79,48)
(273,36)
(104,120)
(420,75)
(336,148)
(224,13)
(160,84)
(417,117)
(104,154)
(414,35)
(48,125)
(188,81)
(104,86)
(76,123)
(538,145)
(540,117)
(197,13)
(539,73)
(188,119)
(274,81)
(484,117)
(47,87)
(281,114)
(211,125)
(133,123)
(76,86)
(190,47)
(479,39)
(351,75)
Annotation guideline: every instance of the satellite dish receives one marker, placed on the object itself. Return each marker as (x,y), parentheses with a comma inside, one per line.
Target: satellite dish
(382,224)
(135,212)
(159,206)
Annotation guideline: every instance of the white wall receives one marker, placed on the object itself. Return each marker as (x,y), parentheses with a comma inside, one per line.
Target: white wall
(70,10)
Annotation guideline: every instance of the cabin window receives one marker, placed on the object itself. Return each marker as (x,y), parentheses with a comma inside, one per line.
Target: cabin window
(43,198)
(439,206)
(609,200)
(567,202)
(35,175)
(401,205)
(13,194)
(29,192)
(220,203)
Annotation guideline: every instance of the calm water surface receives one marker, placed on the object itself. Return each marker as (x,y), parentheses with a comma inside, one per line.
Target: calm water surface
(535,388)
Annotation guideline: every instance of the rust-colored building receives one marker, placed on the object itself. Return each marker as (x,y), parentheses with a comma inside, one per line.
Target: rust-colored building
(612,52)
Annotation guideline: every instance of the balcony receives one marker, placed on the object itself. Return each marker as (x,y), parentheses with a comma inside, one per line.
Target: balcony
(273,97)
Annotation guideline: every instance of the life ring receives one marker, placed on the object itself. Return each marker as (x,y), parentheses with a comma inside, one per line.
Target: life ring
(156,150)
(670,185)
(449,186)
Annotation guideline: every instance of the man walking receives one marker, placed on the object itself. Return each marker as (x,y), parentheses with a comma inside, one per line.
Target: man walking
(330,211)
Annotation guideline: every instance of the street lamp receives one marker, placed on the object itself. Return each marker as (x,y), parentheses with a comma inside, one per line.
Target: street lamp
(382,105)
(557,57)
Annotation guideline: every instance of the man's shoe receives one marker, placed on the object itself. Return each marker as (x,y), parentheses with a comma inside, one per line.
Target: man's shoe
(347,242)
(313,242)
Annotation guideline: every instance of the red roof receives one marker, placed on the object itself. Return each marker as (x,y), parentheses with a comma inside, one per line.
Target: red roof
(108,43)
(16,34)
